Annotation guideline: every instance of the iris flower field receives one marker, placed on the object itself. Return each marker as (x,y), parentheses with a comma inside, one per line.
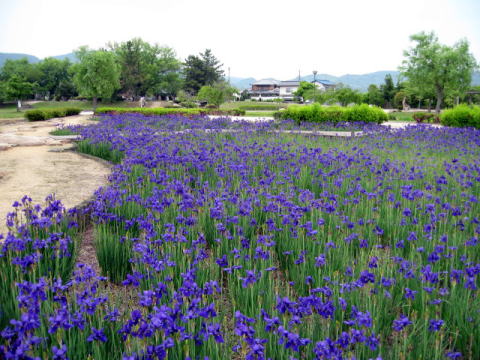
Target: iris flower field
(220,240)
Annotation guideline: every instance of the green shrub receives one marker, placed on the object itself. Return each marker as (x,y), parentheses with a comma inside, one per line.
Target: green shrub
(366,113)
(54,113)
(45,114)
(461,116)
(35,115)
(72,111)
(421,117)
(317,113)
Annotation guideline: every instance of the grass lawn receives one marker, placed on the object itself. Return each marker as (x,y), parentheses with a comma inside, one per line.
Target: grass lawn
(62,132)
(259,113)
(401,116)
(10,112)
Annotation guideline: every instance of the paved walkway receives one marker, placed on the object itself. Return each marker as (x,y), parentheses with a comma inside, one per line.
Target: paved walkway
(36,164)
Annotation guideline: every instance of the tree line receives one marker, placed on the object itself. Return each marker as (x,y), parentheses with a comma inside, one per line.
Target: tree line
(126,70)
(431,74)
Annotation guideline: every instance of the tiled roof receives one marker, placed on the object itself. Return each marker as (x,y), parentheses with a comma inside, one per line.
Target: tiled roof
(266,82)
(289,83)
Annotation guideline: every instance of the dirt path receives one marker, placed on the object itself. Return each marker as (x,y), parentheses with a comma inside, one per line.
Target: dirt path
(32,163)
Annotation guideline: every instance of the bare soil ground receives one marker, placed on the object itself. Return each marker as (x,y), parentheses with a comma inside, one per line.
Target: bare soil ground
(32,163)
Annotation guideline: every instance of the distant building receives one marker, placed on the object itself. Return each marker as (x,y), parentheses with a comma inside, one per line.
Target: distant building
(271,89)
(265,89)
(324,85)
(287,88)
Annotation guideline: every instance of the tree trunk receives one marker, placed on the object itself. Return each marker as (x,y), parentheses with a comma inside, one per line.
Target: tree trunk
(439,102)
(94,104)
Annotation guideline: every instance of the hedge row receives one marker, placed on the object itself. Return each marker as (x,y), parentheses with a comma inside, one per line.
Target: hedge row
(461,116)
(319,114)
(169,111)
(267,107)
(45,114)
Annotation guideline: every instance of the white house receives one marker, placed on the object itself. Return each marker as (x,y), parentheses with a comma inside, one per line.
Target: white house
(287,88)
(270,89)
(324,85)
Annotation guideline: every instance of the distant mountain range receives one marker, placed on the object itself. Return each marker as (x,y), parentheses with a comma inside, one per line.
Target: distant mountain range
(359,82)
(32,58)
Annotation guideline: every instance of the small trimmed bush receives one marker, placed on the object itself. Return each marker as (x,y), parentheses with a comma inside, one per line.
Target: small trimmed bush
(35,115)
(72,111)
(461,116)
(45,114)
(424,117)
(335,114)
(55,113)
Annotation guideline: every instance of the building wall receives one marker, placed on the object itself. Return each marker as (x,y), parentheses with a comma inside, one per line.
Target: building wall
(287,90)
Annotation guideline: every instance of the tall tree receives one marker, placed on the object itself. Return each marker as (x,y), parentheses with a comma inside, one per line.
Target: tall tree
(217,93)
(438,68)
(96,75)
(146,69)
(347,96)
(54,72)
(17,88)
(166,80)
(374,96)
(201,70)
(3,91)
(22,68)
(20,80)
(388,91)
(306,90)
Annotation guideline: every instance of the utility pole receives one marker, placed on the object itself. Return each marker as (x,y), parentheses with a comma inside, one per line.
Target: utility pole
(314,85)
(229,75)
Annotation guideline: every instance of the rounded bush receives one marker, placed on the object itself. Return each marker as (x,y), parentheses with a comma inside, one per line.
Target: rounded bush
(366,113)
(35,115)
(54,113)
(461,116)
(72,111)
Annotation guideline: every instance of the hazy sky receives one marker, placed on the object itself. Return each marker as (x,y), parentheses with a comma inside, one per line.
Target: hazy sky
(261,38)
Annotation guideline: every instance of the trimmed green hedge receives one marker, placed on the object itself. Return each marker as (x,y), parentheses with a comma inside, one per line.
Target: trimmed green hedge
(317,113)
(169,111)
(461,116)
(45,114)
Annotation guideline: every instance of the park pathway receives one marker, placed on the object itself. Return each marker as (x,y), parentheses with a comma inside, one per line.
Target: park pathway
(34,163)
